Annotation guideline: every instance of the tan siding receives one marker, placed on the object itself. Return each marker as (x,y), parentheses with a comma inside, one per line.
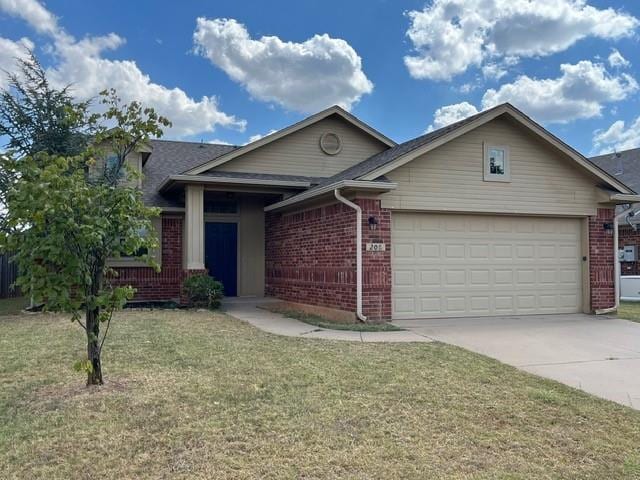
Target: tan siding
(299,153)
(251,251)
(450,178)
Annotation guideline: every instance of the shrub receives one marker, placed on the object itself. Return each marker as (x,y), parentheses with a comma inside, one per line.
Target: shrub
(203,291)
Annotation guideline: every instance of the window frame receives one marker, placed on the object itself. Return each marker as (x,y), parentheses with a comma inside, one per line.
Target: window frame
(133,261)
(495,177)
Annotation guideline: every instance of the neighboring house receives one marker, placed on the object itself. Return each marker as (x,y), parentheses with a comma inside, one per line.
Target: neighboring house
(492,215)
(625,166)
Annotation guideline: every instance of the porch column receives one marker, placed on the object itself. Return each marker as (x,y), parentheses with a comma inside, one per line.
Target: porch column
(194,226)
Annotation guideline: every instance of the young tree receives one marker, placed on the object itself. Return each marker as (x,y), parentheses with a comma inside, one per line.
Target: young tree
(35,117)
(68,214)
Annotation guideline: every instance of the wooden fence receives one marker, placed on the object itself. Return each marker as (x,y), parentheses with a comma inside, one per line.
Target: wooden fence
(8,275)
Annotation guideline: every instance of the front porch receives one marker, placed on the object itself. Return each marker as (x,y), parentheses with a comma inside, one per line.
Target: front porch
(224,235)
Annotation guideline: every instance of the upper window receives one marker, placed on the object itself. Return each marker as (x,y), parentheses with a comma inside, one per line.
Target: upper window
(112,163)
(496,163)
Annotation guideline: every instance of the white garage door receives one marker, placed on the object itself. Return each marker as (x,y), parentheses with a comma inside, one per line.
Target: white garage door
(476,265)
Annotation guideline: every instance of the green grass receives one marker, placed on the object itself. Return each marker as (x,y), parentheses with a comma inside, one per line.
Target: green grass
(629,311)
(197,395)
(322,322)
(13,306)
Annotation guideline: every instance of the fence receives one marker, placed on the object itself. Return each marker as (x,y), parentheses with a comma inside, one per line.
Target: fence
(8,275)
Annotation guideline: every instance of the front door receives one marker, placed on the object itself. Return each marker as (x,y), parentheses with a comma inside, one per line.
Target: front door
(221,254)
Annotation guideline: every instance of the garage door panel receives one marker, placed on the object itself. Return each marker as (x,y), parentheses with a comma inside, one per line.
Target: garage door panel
(458,265)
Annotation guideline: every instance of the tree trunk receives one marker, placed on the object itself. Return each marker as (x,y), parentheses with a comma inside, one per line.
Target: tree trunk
(94,376)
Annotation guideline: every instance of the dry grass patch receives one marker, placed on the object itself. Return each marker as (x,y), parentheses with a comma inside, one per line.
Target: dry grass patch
(629,311)
(200,395)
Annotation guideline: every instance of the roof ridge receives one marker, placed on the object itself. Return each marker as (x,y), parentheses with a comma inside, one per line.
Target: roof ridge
(188,142)
(616,152)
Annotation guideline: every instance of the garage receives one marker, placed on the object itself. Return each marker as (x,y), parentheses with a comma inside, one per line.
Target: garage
(454,265)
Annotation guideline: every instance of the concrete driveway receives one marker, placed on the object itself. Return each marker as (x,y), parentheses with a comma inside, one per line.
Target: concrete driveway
(600,355)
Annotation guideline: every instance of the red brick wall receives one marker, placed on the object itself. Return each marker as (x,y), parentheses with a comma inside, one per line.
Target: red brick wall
(627,236)
(166,284)
(311,258)
(601,266)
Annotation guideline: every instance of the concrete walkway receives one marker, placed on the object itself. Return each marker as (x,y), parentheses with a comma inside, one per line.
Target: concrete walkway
(249,311)
(597,354)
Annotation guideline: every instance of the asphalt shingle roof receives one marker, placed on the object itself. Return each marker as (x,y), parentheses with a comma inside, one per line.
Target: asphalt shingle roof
(171,158)
(623,166)
(262,176)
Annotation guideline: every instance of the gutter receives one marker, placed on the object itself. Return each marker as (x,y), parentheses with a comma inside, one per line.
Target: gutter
(315,192)
(616,261)
(358,210)
(167,182)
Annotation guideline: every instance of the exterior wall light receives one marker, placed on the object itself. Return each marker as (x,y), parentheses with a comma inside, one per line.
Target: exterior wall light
(608,228)
(373,223)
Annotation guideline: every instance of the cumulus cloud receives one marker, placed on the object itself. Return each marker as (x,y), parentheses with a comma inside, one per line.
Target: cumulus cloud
(33,12)
(618,137)
(10,51)
(450,114)
(83,64)
(450,36)
(305,77)
(616,60)
(493,71)
(580,92)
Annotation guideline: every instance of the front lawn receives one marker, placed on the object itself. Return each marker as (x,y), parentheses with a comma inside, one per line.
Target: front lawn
(200,395)
(629,311)
(321,322)
(13,306)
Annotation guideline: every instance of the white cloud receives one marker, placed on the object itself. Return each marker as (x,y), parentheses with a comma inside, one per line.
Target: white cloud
(449,36)
(305,77)
(258,136)
(450,114)
(82,64)
(580,92)
(616,60)
(618,137)
(10,51)
(33,12)
(493,71)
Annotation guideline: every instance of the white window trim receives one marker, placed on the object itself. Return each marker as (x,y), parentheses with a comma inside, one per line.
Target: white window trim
(492,177)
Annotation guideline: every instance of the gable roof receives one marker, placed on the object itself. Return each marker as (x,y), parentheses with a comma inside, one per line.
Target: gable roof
(169,157)
(386,156)
(381,163)
(624,166)
(335,110)
(403,153)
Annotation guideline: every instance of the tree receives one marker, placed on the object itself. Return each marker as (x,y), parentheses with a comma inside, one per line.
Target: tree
(34,117)
(68,214)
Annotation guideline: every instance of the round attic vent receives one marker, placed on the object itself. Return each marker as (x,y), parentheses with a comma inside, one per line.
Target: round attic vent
(330,143)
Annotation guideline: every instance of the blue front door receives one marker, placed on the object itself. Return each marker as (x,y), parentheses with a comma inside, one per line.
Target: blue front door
(221,254)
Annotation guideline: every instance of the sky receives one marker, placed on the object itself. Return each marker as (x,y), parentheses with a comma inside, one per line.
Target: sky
(232,71)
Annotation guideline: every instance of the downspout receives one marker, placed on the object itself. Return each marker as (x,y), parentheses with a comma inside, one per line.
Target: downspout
(616,260)
(358,210)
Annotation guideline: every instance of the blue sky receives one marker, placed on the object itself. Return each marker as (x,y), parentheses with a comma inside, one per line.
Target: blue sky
(394,69)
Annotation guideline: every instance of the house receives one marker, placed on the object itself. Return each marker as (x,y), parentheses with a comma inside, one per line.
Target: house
(492,215)
(625,166)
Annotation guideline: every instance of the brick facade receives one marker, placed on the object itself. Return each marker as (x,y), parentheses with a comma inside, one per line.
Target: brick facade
(164,285)
(627,236)
(601,266)
(311,258)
